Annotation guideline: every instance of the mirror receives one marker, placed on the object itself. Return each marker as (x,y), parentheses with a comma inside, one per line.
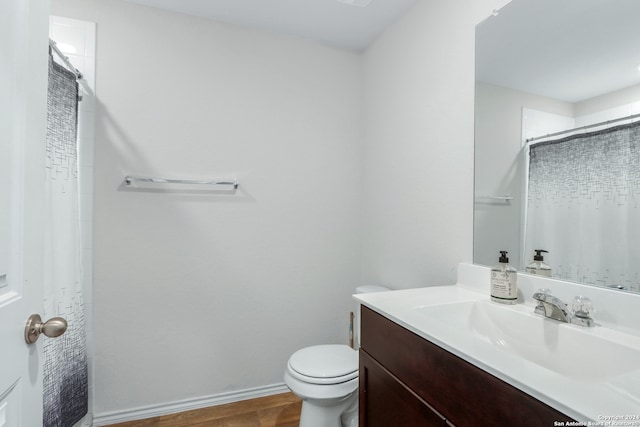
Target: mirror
(545,66)
(5,213)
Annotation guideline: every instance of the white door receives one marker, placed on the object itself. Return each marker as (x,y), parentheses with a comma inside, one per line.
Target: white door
(23,93)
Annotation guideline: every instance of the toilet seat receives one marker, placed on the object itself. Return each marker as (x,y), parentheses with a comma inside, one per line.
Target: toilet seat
(326,379)
(324,364)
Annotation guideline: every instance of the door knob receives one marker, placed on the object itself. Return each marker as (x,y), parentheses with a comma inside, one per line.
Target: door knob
(52,328)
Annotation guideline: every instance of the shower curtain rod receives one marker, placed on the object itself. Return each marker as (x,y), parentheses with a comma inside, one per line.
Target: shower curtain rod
(607,122)
(67,63)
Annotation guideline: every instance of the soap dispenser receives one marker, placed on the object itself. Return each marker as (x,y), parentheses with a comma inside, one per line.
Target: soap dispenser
(504,281)
(538,266)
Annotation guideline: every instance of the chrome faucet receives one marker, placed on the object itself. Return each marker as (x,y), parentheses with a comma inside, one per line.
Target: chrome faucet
(554,308)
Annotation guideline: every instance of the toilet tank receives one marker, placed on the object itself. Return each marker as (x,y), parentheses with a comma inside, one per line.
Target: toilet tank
(355,319)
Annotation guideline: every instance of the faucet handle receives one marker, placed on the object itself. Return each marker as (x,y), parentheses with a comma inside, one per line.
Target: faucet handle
(538,295)
(541,294)
(582,307)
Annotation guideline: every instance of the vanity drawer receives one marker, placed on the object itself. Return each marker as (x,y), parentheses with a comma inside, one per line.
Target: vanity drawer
(463,393)
(385,401)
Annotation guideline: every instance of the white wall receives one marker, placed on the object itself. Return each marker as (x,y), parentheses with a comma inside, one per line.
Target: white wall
(199,294)
(610,106)
(612,100)
(498,171)
(419,98)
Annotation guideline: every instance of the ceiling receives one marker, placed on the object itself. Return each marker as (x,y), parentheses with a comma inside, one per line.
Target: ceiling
(564,49)
(347,24)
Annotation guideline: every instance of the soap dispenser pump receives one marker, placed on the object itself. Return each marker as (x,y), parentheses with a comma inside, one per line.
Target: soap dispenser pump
(538,265)
(504,281)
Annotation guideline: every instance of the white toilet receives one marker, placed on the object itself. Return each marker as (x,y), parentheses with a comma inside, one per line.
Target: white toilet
(325,377)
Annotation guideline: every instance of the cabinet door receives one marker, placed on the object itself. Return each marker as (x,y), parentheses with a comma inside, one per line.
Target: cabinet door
(463,393)
(385,401)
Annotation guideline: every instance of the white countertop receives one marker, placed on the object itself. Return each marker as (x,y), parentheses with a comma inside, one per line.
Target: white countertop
(615,400)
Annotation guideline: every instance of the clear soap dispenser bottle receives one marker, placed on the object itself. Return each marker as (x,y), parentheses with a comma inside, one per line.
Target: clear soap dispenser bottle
(504,281)
(538,265)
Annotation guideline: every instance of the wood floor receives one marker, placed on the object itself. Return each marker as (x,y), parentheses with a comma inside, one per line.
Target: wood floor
(280,410)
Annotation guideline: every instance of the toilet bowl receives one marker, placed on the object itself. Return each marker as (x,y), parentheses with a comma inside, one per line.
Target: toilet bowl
(325,377)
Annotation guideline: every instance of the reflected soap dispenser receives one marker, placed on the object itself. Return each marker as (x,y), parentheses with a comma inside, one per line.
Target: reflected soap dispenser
(504,281)
(538,266)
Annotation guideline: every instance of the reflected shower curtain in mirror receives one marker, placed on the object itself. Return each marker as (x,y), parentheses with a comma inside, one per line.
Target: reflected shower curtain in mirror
(65,361)
(582,206)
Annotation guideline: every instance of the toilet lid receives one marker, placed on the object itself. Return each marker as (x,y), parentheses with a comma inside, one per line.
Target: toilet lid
(337,362)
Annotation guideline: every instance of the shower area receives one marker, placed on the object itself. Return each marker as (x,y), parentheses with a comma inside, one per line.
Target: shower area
(67,360)
(582,200)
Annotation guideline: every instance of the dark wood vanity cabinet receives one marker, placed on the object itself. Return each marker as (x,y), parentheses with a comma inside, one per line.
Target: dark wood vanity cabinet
(406,380)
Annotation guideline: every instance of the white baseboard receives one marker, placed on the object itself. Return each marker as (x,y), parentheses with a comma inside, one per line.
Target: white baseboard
(186,405)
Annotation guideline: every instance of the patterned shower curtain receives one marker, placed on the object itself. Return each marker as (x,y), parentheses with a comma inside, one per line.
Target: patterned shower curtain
(65,361)
(583,206)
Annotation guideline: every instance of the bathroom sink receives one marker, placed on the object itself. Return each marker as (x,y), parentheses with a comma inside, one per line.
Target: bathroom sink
(583,354)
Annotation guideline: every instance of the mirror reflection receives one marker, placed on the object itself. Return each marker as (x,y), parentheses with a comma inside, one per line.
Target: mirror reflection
(557,137)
